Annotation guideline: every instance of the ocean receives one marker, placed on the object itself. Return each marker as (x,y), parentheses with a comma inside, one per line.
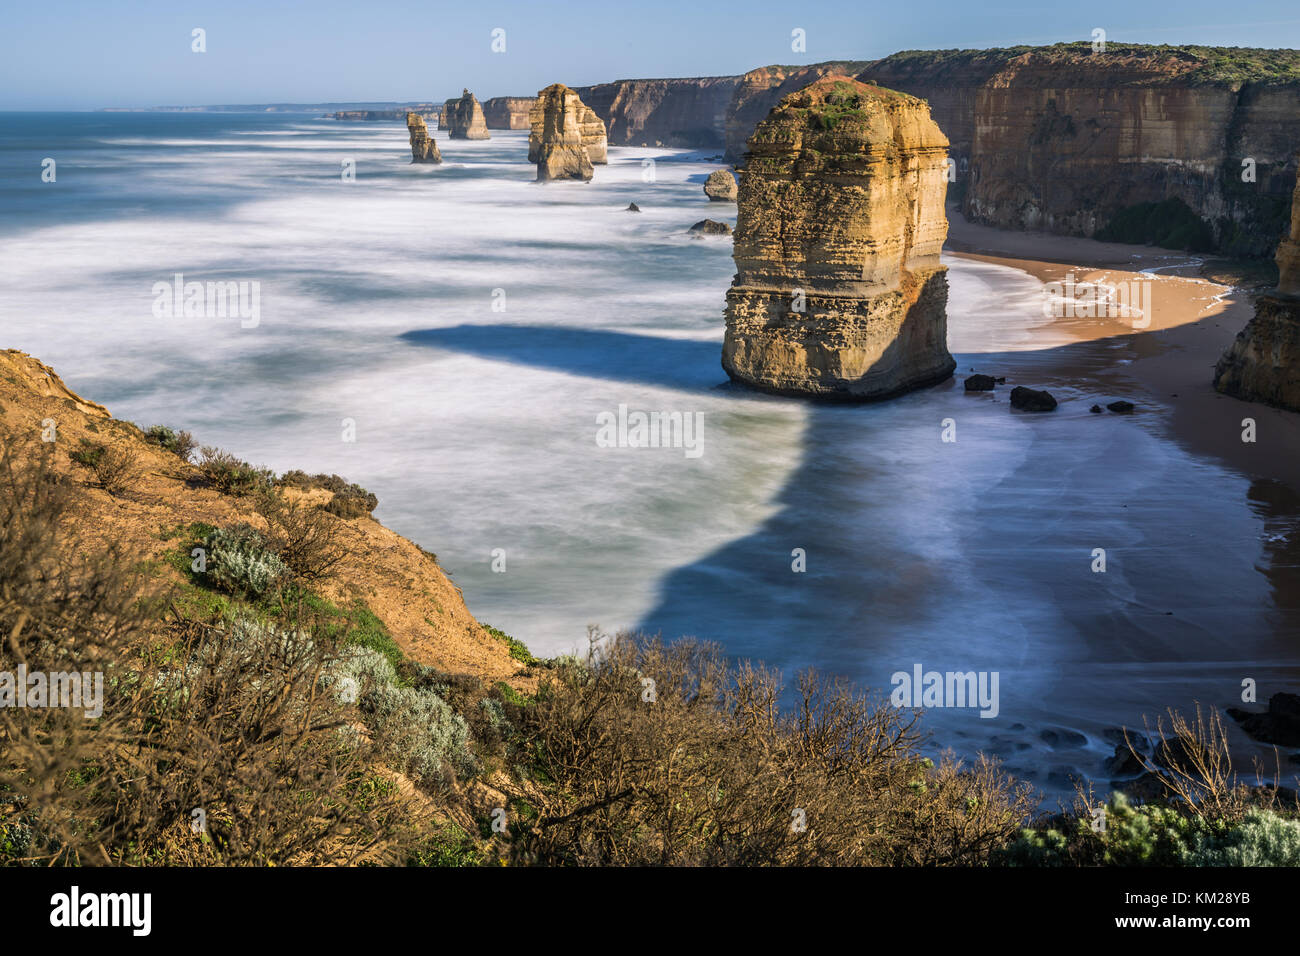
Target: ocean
(470,329)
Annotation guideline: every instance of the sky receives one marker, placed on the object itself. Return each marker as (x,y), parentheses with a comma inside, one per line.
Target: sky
(91,54)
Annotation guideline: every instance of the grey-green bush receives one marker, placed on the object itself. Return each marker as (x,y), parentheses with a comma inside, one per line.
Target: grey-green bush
(415,729)
(1262,839)
(239,561)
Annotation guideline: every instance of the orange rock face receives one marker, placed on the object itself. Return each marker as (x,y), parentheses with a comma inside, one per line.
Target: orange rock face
(838,290)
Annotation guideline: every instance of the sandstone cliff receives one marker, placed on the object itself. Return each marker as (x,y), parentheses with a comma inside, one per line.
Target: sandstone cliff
(423,148)
(566,136)
(463,118)
(688,113)
(838,290)
(1067,140)
(1263,362)
(508,112)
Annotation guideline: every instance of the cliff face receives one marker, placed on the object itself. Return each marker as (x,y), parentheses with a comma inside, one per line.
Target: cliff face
(423,148)
(464,118)
(508,112)
(566,137)
(1063,139)
(838,290)
(688,113)
(1263,362)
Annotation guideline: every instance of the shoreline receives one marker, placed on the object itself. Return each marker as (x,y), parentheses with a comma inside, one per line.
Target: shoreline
(1172,360)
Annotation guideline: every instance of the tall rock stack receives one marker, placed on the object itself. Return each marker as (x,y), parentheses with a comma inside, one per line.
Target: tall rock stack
(567,137)
(1263,362)
(464,118)
(839,293)
(423,148)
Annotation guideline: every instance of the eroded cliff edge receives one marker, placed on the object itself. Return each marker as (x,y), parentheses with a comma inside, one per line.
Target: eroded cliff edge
(838,292)
(1263,362)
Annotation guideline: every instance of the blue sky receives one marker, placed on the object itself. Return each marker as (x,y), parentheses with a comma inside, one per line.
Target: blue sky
(85,55)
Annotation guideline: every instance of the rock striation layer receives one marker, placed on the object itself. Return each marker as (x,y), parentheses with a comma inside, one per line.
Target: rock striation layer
(1263,362)
(463,118)
(839,292)
(508,112)
(566,137)
(423,148)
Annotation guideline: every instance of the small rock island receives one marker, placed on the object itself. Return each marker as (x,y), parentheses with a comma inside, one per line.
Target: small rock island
(838,292)
(423,147)
(463,118)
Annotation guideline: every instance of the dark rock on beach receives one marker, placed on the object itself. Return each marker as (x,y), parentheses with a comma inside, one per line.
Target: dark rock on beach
(1121,407)
(633,207)
(1280,724)
(1032,400)
(980,383)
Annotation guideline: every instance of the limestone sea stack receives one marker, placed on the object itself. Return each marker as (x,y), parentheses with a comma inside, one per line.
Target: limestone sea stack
(423,148)
(838,292)
(566,136)
(1263,362)
(464,118)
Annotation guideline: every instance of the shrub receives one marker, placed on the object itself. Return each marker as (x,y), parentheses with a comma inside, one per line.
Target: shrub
(709,770)
(228,720)
(115,468)
(239,560)
(349,501)
(518,649)
(309,541)
(414,728)
(231,475)
(1153,834)
(179,443)
(1262,839)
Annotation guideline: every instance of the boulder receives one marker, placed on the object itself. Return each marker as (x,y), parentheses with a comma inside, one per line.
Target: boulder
(720,186)
(1032,399)
(979,383)
(1280,724)
(566,136)
(1121,407)
(710,227)
(464,118)
(632,207)
(839,292)
(423,148)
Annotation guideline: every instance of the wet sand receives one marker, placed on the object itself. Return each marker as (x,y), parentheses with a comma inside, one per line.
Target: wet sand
(1193,321)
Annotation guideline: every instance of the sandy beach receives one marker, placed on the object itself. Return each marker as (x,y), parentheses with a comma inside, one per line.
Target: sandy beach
(1171,358)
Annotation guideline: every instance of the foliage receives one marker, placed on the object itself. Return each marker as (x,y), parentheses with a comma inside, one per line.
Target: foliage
(240,560)
(1170,224)
(231,475)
